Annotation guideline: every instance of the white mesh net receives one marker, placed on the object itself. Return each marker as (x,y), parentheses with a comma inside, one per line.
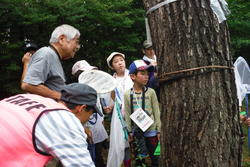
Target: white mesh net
(242,78)
(101,81)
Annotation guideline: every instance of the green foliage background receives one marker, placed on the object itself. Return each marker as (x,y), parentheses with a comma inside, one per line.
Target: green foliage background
(105,26)
(239,27)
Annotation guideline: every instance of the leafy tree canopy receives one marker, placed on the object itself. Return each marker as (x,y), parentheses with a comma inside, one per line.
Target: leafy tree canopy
(239,26)
(105,26)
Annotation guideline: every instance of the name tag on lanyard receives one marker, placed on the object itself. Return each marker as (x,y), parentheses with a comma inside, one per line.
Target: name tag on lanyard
(141,119)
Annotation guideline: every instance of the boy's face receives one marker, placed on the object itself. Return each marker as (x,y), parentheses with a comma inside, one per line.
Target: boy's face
(141,78)
(118,63)
(149,52)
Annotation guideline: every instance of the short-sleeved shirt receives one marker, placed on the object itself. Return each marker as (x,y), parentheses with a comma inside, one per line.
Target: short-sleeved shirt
(45,68)
(60,134)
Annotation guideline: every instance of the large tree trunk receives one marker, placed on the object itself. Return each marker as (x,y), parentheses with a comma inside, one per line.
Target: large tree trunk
(200,121)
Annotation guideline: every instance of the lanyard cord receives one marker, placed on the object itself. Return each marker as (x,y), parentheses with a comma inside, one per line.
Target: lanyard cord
(118,104)
(123,123)
(132,106)
(131,100)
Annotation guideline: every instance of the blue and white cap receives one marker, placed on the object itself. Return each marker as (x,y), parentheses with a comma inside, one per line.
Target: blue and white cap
(139,65)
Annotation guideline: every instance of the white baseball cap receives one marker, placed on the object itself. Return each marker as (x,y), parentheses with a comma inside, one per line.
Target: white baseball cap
(147,44)
(82,65)
(111,57)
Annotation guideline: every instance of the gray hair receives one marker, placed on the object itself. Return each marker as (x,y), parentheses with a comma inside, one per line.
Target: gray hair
(69,31)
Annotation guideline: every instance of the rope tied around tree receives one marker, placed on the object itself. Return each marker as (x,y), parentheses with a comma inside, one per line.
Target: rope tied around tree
(157,6)
(184,73)
(219,8)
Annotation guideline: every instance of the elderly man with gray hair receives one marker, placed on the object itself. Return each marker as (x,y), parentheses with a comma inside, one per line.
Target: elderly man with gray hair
(45,75)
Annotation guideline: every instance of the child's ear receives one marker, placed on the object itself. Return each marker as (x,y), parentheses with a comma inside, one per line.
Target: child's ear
(143,51)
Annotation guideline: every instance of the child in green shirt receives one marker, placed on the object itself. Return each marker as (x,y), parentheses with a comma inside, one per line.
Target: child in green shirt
(141,97)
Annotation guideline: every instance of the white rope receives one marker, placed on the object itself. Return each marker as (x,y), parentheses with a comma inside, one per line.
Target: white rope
(149,39)
(159,5)
(220,9)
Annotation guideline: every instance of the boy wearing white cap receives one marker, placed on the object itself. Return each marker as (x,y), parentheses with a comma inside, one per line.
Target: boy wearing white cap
(149,54)
(116,62)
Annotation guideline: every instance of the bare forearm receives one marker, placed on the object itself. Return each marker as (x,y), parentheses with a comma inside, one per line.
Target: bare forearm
(25,60)
(41,90)
(25,67)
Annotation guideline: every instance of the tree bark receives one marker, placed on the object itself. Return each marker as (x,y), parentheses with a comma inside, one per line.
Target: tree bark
(199,113)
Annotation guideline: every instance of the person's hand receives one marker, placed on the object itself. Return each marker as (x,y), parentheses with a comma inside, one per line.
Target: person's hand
(245,120)
(57,95)
(130,137)
(158,136)
(88,132)
(26,58)
(108,109)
